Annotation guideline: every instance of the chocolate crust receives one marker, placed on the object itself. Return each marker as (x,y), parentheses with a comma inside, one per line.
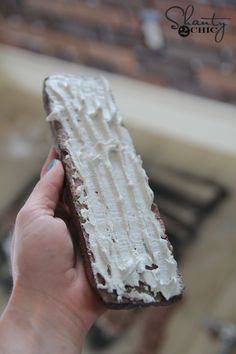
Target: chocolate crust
(110,300)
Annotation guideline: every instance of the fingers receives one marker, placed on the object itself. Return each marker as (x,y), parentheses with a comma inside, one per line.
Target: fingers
(13,239)
(51,155)
(91,306)
(45,196)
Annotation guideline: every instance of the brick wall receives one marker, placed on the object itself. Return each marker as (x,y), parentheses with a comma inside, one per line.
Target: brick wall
(133,38)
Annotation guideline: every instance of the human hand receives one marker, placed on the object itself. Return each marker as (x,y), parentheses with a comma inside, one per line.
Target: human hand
(51,299)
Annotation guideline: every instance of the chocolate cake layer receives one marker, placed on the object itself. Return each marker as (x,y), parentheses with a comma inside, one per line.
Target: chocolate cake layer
(127,255)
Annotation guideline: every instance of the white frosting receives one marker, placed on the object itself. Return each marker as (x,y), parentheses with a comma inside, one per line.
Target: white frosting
(124,233)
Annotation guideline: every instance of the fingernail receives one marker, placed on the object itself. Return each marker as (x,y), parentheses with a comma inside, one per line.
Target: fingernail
(51,164)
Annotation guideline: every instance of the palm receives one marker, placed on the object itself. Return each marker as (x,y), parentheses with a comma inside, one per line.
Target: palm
(43,257)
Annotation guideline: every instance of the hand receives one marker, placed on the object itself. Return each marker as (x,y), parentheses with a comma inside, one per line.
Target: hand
(52,305)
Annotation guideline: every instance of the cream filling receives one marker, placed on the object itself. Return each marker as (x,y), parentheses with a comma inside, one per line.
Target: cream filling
(124,234)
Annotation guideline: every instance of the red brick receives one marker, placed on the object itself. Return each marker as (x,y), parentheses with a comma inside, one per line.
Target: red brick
(50,42)
(216,80)
(200,10)
(204,39)
(134,5)
(92,15)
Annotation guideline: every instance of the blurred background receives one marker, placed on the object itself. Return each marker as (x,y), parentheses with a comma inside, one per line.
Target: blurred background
(177,94)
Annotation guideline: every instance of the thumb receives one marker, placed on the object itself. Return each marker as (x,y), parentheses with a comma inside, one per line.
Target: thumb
(45,195)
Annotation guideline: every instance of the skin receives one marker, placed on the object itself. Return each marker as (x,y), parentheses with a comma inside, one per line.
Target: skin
(52,306)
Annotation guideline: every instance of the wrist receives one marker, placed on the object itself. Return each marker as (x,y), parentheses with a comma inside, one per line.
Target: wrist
(33,323)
